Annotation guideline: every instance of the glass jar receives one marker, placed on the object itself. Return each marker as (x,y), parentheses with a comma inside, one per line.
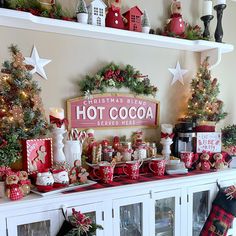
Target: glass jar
(126,154)
(152,150)
(108,153)
(127,145)
(141,151)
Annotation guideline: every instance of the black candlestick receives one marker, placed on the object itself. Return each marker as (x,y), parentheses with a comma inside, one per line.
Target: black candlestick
(219,29)
(206,19)
(2,3)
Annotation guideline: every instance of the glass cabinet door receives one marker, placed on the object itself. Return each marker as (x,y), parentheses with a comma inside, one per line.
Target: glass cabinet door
(131,220)
(200,211)
(164,217)
(200,200)
(129,215)
(94,211)
(38,224)
(167,213)
(35,229)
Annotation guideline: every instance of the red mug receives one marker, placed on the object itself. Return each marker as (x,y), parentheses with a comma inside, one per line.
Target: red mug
(131,169)
(105,173)
(188,158)
(158,166)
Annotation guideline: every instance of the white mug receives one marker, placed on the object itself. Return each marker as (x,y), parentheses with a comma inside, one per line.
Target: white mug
(72,150)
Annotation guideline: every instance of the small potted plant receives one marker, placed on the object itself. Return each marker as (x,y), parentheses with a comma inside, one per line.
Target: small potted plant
(145,23)
(78,224)
(82,12)
(229,142)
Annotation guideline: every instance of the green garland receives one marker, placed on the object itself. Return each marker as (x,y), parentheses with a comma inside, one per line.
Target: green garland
(112,76)
(192,32)
(229,136)
(35,8)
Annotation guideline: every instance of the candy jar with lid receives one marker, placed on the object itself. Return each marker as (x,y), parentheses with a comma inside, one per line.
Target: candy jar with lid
(108,153)
(116,143)
(141,151)
(126,151)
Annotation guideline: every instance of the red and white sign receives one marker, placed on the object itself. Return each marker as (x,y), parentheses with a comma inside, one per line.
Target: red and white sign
(209,142)
(112,110)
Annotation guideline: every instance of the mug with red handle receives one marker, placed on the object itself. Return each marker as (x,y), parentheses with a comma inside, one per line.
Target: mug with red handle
(158,166)
(189,158)
(131,168)
(105,172)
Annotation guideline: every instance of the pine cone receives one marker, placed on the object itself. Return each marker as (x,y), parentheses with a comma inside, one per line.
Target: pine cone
(214,82)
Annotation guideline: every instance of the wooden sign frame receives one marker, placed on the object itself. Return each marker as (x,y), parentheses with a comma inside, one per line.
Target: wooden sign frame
(115,95)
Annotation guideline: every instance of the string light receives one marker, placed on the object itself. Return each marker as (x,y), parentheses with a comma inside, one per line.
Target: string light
(5,77)
(24,94)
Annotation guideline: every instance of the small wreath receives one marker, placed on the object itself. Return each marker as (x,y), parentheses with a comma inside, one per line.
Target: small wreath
(112,76)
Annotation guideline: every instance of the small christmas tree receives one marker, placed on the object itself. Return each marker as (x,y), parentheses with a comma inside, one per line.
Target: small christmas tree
(203,104)
(21,110)
(82,7)
(145,20)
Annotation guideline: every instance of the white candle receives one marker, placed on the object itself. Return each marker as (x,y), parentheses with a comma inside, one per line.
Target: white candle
(219,2)
(207,8)
(167,128)
(57,113)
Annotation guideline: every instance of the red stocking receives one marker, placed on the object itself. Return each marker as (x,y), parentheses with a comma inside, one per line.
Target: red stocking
(222,213)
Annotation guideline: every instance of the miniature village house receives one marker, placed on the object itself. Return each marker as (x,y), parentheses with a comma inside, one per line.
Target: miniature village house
(133,17)
(97,13)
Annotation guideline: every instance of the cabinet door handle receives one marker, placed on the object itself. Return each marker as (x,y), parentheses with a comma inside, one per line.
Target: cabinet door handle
(180,201)
(150,193)
(112,213)
(187,198)
(102,215)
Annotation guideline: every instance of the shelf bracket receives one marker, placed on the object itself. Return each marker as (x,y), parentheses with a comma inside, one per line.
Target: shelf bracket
(214,56)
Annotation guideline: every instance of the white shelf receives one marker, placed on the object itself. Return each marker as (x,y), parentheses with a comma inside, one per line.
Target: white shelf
(24,20)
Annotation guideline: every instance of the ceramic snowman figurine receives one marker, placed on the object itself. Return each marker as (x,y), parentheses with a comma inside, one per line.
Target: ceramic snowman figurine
(176,24)
(61,178)
(44,181)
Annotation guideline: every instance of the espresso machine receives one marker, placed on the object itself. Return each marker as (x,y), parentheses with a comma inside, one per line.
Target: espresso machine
(185,138)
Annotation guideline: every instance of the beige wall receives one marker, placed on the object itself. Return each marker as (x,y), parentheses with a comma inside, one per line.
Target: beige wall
(74,57)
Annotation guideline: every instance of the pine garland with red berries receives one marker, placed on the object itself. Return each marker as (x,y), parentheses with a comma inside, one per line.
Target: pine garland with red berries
(113,76)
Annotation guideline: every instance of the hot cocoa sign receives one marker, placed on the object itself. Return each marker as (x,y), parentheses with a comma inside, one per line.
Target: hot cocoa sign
(112,110)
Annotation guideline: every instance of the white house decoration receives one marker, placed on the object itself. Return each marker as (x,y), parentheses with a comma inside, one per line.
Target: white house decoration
(97,13)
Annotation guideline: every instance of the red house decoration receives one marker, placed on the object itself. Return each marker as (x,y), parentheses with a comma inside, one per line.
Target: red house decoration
(133,17)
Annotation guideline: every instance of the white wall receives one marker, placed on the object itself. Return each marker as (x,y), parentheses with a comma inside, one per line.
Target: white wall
(73,58)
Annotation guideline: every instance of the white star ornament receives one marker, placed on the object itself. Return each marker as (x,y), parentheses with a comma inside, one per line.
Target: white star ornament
(178,74)
(38,63)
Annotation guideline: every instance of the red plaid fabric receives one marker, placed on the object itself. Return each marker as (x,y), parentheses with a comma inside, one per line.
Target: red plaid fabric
(124,180)
(218,222)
